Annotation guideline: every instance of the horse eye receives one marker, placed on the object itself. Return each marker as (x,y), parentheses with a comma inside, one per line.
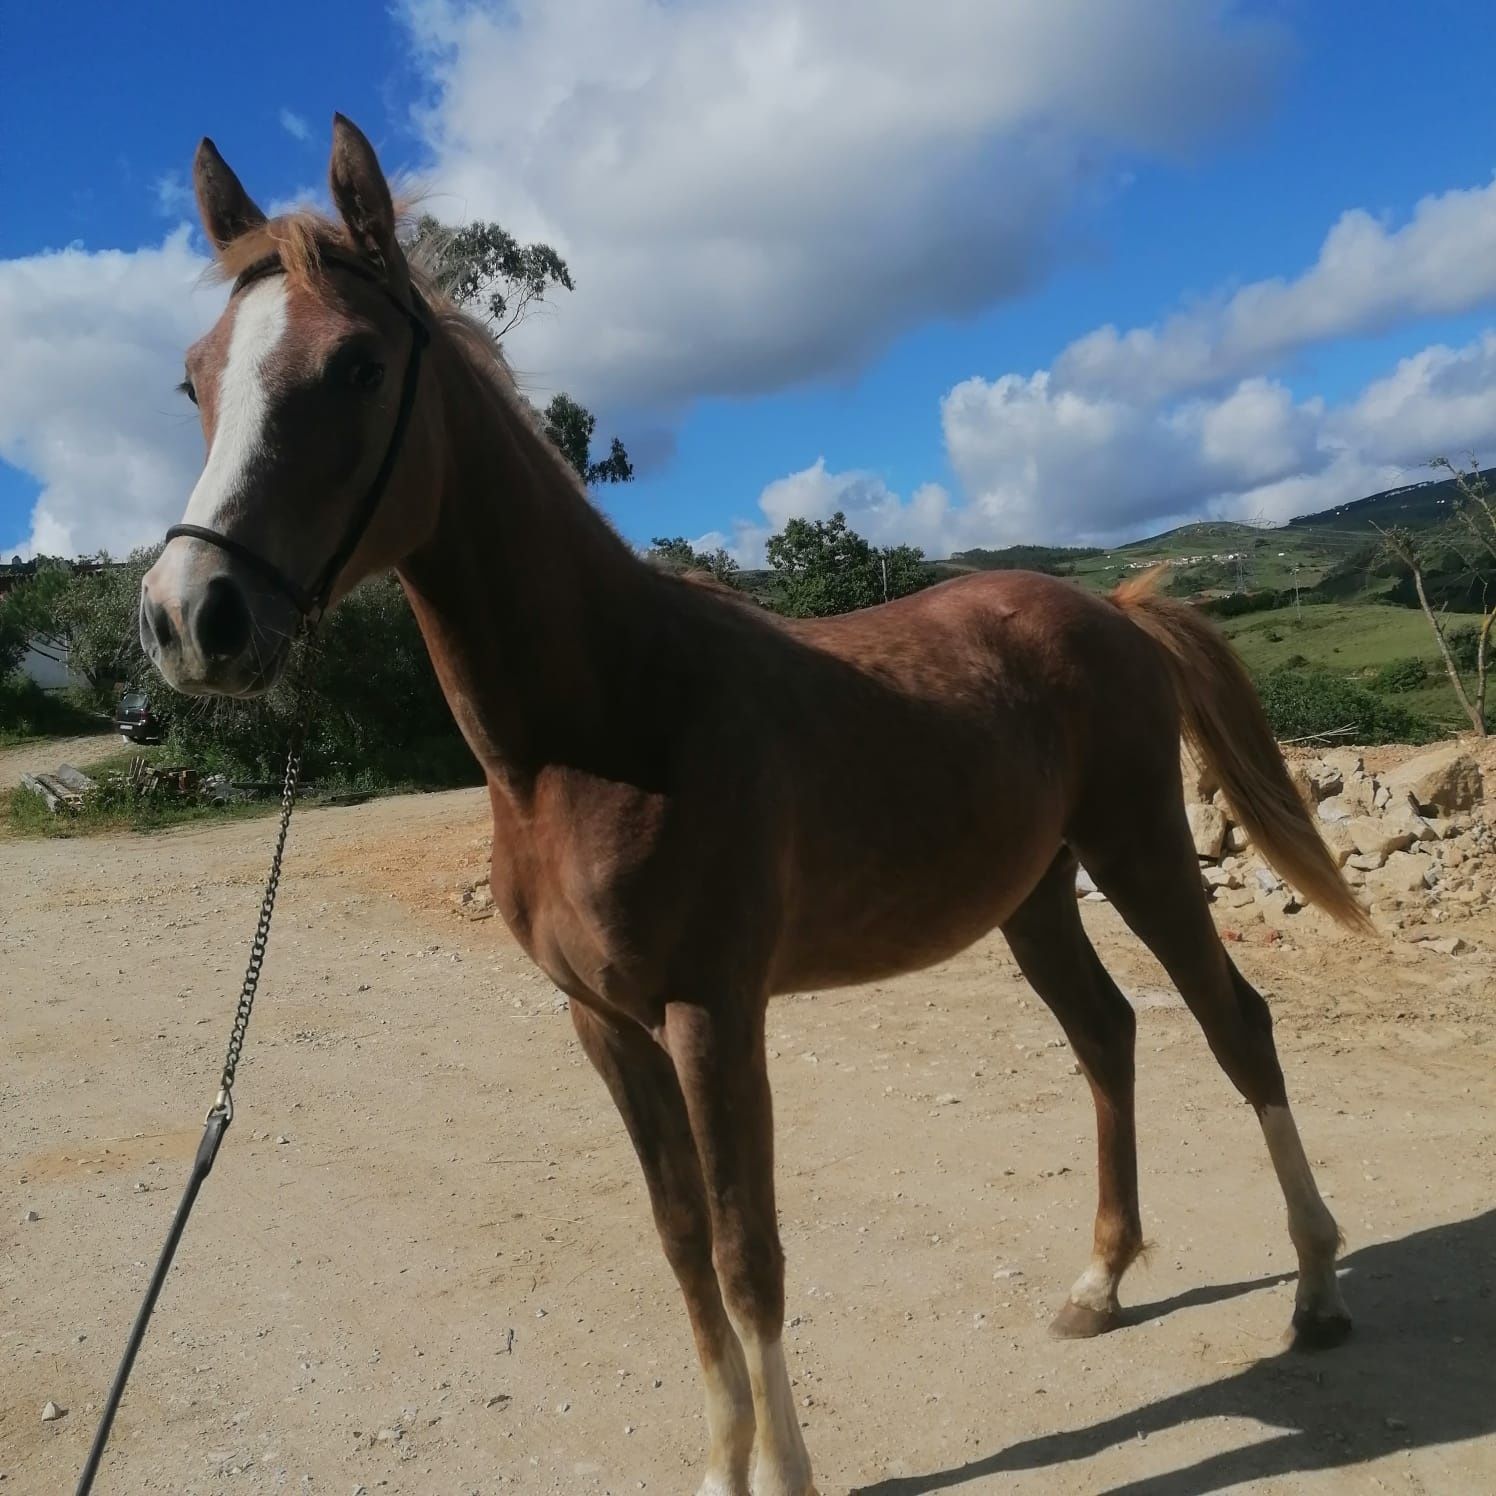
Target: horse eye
(366,374)
(188,389)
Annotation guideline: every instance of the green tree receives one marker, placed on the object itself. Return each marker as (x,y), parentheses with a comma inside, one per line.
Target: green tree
(484,268)
(30,609)
(823,566)
(676,553)
(570,427)
(98,613)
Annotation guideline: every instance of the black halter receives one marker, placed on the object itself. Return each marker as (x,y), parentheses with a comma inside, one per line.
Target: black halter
(311,601)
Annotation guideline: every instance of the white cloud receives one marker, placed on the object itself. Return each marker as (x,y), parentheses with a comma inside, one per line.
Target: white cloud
(173,196)
(94,345)
(756,192)
(295,126)
(1038,462)
(1367,277)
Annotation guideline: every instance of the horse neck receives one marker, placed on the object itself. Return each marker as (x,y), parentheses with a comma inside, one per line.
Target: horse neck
(535,613)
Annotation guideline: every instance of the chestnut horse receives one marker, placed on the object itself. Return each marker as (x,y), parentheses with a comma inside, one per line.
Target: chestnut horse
(698,805)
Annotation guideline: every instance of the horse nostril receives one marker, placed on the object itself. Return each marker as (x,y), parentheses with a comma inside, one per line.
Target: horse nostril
(157,620)
(221,623)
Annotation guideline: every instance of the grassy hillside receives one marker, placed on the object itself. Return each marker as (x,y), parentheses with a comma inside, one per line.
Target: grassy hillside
(1415,506)
(1220,556)
(1355,639)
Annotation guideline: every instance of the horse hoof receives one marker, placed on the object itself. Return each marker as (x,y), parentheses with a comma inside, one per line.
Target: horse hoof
(1076,1322)
(1318,1332)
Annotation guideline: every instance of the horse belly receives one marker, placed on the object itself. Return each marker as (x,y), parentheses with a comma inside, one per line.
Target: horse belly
(900,903)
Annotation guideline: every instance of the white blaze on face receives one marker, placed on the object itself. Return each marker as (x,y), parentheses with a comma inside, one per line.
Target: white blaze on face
(242,402)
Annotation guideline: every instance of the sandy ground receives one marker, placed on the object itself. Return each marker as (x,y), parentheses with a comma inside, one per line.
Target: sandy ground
(424,1262)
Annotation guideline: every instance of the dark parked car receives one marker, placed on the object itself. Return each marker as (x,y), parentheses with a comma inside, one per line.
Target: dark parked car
(136,720)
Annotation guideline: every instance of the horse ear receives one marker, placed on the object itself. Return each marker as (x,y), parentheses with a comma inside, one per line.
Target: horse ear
(361,192)
(227,209)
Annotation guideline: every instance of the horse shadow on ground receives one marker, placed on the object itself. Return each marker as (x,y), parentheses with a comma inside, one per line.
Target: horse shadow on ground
(1420,1371)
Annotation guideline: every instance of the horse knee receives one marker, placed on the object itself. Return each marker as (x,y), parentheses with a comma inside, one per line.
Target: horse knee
(750,1268)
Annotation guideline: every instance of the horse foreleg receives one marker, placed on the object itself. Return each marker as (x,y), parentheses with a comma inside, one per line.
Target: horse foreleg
(642,1082)
(719,1058)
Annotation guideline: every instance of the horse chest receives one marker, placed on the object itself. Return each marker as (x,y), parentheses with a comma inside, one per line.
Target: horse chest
(560,896)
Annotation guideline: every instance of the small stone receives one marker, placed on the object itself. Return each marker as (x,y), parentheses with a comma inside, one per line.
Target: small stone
(1338,841)
(563,1407)
(1447,945)
(280,1137)
(392,1435)
(1208,829)
(1375,836)
(1326,781)
(1344,761)
(948,1099)
(1334,809)
(51,1412)
(1446,779)
(30,1216)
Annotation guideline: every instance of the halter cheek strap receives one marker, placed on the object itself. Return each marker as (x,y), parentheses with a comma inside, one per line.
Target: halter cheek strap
(311,601)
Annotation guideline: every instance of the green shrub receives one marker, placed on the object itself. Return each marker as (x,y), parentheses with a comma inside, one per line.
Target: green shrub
(1302,703)
(1464,645)
(27,711)
(379,719)
(1401,675)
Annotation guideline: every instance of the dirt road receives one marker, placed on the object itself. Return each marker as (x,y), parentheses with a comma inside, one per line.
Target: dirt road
(45,754)
(424,1262)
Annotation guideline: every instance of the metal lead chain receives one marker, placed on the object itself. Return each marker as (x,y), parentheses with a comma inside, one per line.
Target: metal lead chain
(289,787)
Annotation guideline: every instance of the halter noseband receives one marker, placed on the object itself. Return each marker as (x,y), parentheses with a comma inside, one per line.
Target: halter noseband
(310,602)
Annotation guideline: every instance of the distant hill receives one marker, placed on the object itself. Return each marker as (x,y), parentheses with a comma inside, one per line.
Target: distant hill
(1415,506)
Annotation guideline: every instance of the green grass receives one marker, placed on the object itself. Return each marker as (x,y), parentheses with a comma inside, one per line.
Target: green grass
(25,814)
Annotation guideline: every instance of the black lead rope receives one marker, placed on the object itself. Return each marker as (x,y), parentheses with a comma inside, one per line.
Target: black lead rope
(310,603)
(221,1113)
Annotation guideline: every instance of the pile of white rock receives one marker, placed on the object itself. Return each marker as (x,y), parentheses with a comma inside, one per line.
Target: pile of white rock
(1413,840)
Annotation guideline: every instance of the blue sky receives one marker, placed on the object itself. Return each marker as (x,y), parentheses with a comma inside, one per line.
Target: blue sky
(815,326)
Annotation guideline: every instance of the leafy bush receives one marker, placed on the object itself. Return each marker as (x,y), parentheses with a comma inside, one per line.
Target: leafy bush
(379,717)
(1236,604)
(1303,703)
(1464,645)
(1401,675)
(27,711)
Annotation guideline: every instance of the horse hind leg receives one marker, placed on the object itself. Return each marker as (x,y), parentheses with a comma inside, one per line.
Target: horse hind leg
(1053,952)
(1151,874)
